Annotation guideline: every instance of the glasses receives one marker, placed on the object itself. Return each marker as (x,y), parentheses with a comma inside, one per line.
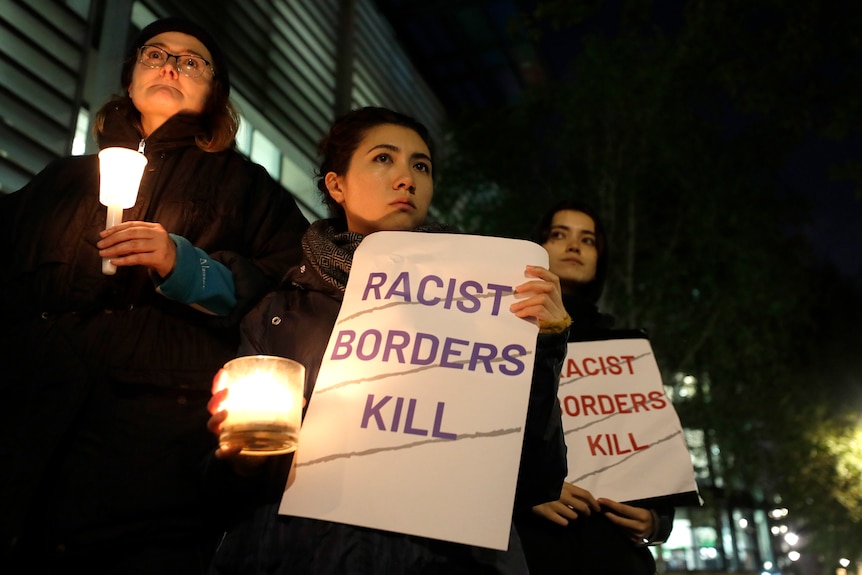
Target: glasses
(187,64)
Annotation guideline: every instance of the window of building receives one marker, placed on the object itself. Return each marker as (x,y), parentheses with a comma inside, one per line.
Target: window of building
(82,129)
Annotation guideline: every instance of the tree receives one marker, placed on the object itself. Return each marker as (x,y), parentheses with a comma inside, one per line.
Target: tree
(677,133)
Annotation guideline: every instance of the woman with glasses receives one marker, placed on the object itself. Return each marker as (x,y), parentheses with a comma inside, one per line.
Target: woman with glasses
(106,377)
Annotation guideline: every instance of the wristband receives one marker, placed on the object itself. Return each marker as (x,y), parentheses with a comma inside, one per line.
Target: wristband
(555,326)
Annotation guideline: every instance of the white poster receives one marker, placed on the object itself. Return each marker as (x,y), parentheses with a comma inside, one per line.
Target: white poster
(417,417)
(623,436)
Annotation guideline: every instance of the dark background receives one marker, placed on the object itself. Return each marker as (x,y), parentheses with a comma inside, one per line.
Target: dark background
(721,142)
(484,55)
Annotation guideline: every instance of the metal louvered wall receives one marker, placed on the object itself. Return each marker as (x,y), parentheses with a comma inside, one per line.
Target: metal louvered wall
(283,57)
(42,58)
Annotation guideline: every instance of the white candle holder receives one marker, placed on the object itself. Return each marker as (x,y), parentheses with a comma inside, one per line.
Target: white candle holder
(263,404)
(120,171)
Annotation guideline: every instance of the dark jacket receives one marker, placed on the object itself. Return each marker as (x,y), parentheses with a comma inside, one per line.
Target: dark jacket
(590,545)
(105,381)
(262,542)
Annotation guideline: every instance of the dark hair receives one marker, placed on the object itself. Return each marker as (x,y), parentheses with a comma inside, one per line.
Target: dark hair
(592,290)
(219,117)
(337,147)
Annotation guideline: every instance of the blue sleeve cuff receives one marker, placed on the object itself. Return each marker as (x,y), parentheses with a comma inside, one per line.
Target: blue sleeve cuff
(198,281)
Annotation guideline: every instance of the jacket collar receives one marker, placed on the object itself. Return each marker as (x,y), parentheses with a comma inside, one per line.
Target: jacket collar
(585,314)
(177,132)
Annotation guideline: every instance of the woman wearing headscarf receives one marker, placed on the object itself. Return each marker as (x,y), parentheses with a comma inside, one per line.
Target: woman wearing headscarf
(580,534)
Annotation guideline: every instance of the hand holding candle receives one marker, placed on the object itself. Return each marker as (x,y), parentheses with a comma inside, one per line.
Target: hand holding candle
(263,404)
(120,172)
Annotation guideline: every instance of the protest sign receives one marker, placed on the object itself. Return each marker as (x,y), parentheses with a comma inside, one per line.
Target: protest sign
(416,420)
(624,439)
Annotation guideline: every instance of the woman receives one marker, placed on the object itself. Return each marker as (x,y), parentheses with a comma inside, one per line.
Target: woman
(580,533)
(106,377)
(376,174)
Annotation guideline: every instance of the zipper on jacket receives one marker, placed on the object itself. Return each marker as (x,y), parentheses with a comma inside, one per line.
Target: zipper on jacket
(142,145)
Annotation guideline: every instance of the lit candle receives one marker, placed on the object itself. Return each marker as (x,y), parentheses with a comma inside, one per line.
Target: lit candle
(263,404)
(120,171)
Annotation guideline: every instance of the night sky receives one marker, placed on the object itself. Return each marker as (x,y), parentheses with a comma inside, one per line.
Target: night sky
(449,38)
(836,210)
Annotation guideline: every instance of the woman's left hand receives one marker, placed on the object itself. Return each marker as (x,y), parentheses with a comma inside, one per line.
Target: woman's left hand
(541,298)
(137,243)
(637,522)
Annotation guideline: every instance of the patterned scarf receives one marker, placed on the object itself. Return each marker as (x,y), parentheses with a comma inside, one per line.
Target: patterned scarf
(330,252)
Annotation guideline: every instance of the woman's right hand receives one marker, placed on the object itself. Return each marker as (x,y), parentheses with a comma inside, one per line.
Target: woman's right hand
(573,502)
(244,465)
(218,416)
(136,243)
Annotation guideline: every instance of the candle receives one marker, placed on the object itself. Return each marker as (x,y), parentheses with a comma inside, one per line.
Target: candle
(120,171)
(263,404)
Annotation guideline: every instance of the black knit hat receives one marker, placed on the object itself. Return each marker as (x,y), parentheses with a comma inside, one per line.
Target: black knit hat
(176,24)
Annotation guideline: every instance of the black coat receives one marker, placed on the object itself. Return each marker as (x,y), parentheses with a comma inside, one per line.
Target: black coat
(105,381)
(262,542)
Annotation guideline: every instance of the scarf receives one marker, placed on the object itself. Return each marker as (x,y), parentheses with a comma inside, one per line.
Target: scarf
(330,252)
(586,315)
